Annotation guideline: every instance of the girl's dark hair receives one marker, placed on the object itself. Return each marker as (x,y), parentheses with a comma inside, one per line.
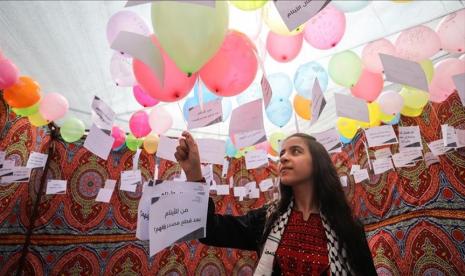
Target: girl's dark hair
(332,202)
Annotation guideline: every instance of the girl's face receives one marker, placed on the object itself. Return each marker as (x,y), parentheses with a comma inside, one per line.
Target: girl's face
(295,166)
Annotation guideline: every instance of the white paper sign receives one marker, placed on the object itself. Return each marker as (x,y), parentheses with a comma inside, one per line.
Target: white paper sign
(354,168)
(256,159)
(266,184)
(102,114)
(7,168)
(437,147)
(56,187)
(135,159)
(343,180)
(409,137)
(382,165)
(250,138)
(296,13)
(459,81)
(351,107)
(167,147)
(431,159)
(404,71)
(267,91)
(361,175)
(254,193)
(212,113)
(104,194)
(129,180)
(448,136)
(98,142)
(240,191)
(383,153)
(381,136)
(330,140)
(407,157)
(460,134)
(36,160)
(246,126)
(2,158)
(222,189)
(17,174)
(224,171)
(318,101)
(211,150)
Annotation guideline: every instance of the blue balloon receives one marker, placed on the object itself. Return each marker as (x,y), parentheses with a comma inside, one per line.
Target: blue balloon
(188,104)
(230,149)
(253,92)
(281,85)
(207,95)
(226,105)
(305,76)
(395,120)
(345,140)
(279,112)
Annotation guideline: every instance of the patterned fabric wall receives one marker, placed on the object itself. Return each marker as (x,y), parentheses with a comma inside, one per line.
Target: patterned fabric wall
(414,217)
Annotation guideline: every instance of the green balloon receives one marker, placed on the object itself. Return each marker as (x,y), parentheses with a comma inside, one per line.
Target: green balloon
(190,33)
(133,143)
(276,139)
(345,68)
(72,130)
(27,110)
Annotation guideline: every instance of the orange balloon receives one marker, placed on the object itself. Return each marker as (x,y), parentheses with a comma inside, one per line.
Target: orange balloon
(303,107)
(25,93)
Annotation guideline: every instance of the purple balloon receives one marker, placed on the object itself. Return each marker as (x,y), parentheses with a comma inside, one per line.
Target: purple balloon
(143,98)
(126,21)
(121,70)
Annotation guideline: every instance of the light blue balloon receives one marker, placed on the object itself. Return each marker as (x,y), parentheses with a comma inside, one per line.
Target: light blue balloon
(226,105)
(305,76)
(279,112)
(345,140)
(253,92)
(281,85)
(395,120)
(350,6)
(207,95)
(230,149)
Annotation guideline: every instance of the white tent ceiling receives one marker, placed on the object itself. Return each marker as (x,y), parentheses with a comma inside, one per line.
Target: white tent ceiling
(63,46)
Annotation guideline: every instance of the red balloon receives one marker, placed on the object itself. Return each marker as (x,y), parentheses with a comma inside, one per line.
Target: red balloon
(176,84)
(233,68)
(368,86)
(284,48)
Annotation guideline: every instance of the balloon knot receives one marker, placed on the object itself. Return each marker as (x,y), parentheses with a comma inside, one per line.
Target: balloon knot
(189,74)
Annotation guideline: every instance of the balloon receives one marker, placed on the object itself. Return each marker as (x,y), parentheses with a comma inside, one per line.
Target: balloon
(233,68)
(273,20)
(119,135)
(283,48)
(374,113)
(176,84)
(72,130)
(279,112)
(125,21)
(188,104)
(231,151)
(121,70)
(347,127)
(303,107)
(9,74)
(345,68)
(132,142)
(305,76)
(369,86)
(26,111)
(24,93)
(326,28)
(160,120)
(53,106)
(248,5)
(414,98)
(252,93)
(393,119)
(428,68)
(143,98)
(417,43)
(243,151)
(151,143)
(37,120)
(411,112)
(275,140)
(370,54)
(191,34)
(451,32)
(386,117)
(390,102)
(281,85)
(350,6)
(442,84)
(139,124)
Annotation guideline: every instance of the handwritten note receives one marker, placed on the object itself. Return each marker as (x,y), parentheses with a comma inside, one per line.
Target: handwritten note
(267,91)
(431,159)
(167,147)
(318,101)
(460,134)
(211,114)
(437,147)
(104,194)
(407,157)
(250,138)
(224,170)
(266,184)
(129,180)
(102,114)
(36,160)
(330,140)
(16,174)
(296,13)
(98,142)
(351,107)
(354,168)
(381,136)
(383,153)
(409,137)
(361,175)
(246,126)
(404,71)
(211,150)
(382,165)
(56,187)
(222,189)
(448,136)
(256,159)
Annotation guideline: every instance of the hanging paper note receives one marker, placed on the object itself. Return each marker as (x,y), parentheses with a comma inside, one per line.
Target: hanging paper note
(382,165)
(129,180)
(56,187)
(266,184)
(448,136)
(36,160)
(383,153)
(409,137)
(7,168)
(296,13)
(246,126)
(404,72)
(266,91)
(102,114)
(318,101)
(437,147)
(210,114)
(361,175)
(167,147)
(407,157)
(330,140)
(256,159)
(343,180)
(431,159)
(354,168)
(104,194)
(224,171)
(460,134)
(17,174)
(222,189)
(98,142)
(211,150)
(381,136)
(459,81)
(351,107)
(135,159)
(240,191)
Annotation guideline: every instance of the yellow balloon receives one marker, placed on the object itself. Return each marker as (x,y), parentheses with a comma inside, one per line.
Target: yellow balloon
(274,21)
(411,112)
(375,114)
(414,98)
(248,5)
(37,120)
(347,127)
(386,118)
(303,107)
(151,143)
(428,68)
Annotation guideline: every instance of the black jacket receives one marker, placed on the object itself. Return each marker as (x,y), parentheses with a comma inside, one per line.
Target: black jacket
(246,233)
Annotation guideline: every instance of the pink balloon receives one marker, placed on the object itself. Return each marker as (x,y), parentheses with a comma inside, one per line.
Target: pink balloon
(121,70)
(368,86)
(326,29)
(390,102)
(176,84)
(417,43)
(370,54)
(125,21)
(53,106)
(451,32)
(283,48)
(143,98)
(442,85)
(119,135)
(139,124)
(9,73)
(233,68)
(160,120)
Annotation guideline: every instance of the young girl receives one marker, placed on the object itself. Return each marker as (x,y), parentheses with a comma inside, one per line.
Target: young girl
(309,231)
